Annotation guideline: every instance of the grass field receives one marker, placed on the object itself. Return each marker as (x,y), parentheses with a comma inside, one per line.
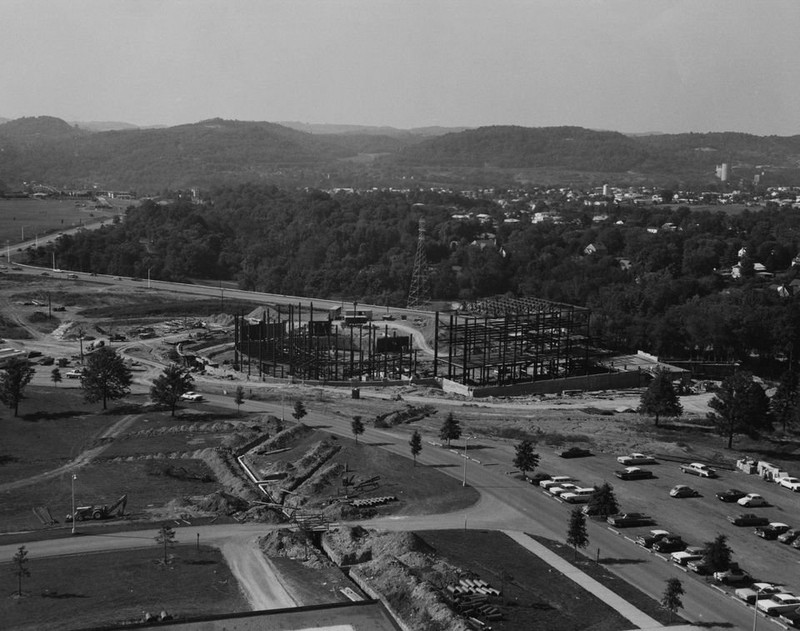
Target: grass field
(23,219)
(115,588)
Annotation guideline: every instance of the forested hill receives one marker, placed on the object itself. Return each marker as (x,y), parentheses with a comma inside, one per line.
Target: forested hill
(216,152)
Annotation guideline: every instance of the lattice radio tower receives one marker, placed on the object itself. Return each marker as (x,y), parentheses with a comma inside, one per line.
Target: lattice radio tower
(420,293)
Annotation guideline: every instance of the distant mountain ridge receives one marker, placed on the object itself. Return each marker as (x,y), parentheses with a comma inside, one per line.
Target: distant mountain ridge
(218,151)
(326,128)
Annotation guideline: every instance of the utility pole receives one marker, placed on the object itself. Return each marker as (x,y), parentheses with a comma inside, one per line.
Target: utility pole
(74,517)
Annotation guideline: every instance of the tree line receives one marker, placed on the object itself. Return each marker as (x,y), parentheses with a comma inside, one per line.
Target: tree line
(653,281)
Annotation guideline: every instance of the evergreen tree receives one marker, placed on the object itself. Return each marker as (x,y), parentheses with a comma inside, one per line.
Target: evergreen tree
(170,386)
(603,502)
(671,600)
(238,398)
(20,567)
(660,398)
(577,536)
(357,426)
(55,376)
(525,459)
(740,407)
(105,377)
(416,445)
(718,553)
(299,410)
(16,376)
(451,429)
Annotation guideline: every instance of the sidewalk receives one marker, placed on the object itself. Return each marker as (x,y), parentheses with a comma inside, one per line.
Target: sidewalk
(640,619)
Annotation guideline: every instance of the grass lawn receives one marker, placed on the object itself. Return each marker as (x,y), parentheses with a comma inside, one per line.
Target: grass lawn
(536,596)
(35,216)
(112,588)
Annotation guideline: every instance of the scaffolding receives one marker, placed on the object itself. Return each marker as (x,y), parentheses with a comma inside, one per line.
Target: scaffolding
(507,341)
(290,343)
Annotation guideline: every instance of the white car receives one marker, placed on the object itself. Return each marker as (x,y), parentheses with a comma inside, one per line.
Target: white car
(793,484)
(778,603)
(578,496)
(697,468)
(566,487)
(635,459)
(555,481)
(757,591)
(752,499)
(74,374)
(192,396)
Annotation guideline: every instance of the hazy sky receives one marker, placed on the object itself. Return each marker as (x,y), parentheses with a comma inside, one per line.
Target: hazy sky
(626,65)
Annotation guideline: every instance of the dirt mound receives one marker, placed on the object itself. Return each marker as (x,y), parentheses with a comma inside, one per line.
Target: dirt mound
(283,439)
(222,503)
(220,319)
(293,545)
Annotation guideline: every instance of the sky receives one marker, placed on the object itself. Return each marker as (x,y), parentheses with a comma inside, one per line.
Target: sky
(632,66)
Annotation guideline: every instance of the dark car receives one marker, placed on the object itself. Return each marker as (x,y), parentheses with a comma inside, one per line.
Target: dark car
(634,473)
(700,567)
(575,452)
(730,495)
(771,531)
(629,520)
(792,618)
(789,536)
(669,544)
(647,541)
(748,519)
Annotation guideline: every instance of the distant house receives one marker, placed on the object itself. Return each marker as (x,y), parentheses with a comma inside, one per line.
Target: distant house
(594,248)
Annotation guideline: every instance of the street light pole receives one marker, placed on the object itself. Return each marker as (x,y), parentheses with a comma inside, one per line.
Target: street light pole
(466,441)
(74,518)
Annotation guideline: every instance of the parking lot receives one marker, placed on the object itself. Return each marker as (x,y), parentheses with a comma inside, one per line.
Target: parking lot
(699,519)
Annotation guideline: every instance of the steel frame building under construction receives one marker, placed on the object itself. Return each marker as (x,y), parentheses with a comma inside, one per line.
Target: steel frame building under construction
(506,341)
(289,342)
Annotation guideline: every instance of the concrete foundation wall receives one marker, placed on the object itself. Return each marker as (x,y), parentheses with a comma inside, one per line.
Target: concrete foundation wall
(604,381)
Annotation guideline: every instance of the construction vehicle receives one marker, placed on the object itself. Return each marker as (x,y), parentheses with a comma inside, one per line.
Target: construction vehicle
(100,511)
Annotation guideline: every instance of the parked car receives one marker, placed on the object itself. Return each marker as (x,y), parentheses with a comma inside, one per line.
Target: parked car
(778,603)
(683,491)
(793,484)
(580,495)
(633,473)
(757,591)
(699,566)
(772,530)
(683,557)
(796,543)
(699,469)
(74,374)
(748,519)
(555,481)
(752,500)
(634,459)
(734,574)
(192,396)
(673,543)
(628,520)
(566,487)
(791,618)
(575,452)
(647,541)
(789,536)
(730,495)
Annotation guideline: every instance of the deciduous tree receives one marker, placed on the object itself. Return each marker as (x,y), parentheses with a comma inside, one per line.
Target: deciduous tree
(577,537)
(451,429)
(784,403)
(740,407)
(416,445)
(357,426)
(55,376)
(165,537)
(170,386)
(16,376)
(660,398)
(105,377)
(671,600)
(238,397)
(526,459)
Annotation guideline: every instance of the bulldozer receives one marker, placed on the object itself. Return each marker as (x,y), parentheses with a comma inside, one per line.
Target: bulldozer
(99,511)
